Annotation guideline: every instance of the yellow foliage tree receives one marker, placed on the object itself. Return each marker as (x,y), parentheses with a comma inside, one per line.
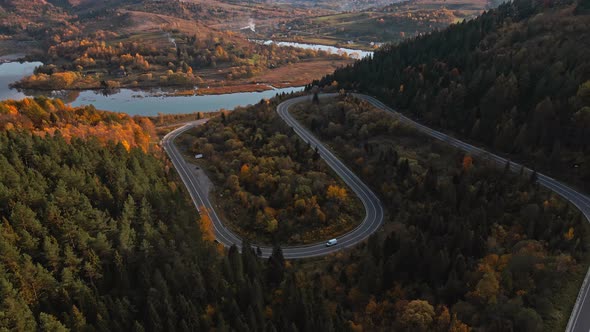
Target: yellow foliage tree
(336,193)
(126,145)
(207,225)
(272,225)
(569,234)
(63,80)
(488,287)
(418,315)
(493,263)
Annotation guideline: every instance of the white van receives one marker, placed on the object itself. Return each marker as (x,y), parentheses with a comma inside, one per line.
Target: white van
(331,242)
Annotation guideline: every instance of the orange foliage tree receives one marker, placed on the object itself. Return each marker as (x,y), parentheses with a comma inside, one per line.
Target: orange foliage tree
(337,193)
(206,225)
(467,162)
(48,116)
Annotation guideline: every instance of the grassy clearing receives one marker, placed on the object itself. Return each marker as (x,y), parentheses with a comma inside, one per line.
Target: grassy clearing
(566,297)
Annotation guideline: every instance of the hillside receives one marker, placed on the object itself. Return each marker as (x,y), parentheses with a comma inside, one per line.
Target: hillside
(516,79)
(463,241)
(98,237)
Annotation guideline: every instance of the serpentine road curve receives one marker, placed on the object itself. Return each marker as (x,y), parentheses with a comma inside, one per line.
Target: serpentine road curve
(580,317)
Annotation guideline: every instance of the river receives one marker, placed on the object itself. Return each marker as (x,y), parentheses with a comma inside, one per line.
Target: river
(11,72)
(355,54)
(154,101)
(133,102)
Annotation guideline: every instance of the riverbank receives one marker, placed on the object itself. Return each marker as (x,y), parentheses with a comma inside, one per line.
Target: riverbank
(11,57)
(219,90)
(146,102)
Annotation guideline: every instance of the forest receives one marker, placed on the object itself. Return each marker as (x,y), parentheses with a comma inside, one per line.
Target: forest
(465,243)
(274,187)
(97,236)
(97,233)
(516,79)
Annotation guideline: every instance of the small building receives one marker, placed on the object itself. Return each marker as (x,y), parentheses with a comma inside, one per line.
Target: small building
(199,156)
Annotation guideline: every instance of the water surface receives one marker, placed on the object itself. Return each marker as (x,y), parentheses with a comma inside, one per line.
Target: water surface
(11,72)
(356,54)
(153,102)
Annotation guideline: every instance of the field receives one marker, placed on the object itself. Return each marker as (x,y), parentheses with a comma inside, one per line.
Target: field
(299,74)
(201,43)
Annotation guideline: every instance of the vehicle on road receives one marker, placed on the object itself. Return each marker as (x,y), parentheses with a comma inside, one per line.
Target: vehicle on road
(331,242)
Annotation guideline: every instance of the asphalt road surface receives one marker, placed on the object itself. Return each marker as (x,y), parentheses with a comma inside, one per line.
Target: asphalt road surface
(580,317)
(373,208)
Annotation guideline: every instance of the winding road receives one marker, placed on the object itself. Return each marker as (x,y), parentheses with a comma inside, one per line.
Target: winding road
(373,208)
(580,317)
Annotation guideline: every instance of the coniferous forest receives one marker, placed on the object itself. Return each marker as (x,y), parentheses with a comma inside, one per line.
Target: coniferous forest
(516,79)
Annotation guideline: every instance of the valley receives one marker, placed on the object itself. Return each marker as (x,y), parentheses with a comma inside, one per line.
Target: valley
(152,44)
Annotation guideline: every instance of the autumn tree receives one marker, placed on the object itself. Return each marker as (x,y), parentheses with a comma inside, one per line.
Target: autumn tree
(418,315)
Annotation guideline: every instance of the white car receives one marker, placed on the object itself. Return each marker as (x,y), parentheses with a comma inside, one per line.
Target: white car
(331,242)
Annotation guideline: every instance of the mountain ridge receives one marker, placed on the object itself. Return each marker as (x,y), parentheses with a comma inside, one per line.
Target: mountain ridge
(514,79)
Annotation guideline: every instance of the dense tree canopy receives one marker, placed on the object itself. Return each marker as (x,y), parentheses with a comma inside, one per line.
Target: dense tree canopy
(477,243)
(42,115)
